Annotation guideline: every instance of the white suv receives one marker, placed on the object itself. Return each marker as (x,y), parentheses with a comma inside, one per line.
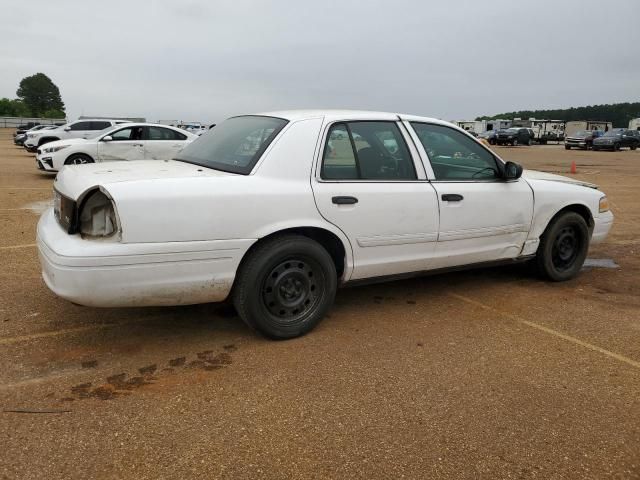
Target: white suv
(79,129)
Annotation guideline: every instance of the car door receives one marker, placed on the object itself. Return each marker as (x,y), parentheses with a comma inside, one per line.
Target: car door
(370,184)
(122,144)
(162,143)
(482,217)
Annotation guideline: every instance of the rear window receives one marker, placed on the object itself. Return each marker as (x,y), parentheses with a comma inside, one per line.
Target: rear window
(235,145)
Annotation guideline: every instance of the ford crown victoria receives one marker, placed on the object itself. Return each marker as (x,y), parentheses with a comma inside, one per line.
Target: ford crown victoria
(275,211)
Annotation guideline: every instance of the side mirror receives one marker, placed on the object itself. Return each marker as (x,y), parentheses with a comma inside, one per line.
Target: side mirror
(512,171)
(66,129)
(107,138)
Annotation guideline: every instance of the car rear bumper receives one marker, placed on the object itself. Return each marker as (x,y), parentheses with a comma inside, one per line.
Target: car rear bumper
(602,226)
(113,274)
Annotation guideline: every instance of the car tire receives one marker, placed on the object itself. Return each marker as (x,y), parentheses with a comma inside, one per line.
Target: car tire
(285,286)
(567,147)
(616,147)
(492,142)
(595,149)
(633,147)
(563,247)
(78,159)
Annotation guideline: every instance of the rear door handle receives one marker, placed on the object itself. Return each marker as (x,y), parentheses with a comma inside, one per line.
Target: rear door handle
(452,197)
(344,200)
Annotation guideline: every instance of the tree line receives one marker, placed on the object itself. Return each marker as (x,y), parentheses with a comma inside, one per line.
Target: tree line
(617,113)
(37,96)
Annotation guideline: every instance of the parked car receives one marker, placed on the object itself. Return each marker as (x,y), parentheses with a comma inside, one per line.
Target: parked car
(26,126)
(80,129)
(515,136)
(262,211)
(128,141)
(616,139)
(490,136)
(582,139)
(20,138)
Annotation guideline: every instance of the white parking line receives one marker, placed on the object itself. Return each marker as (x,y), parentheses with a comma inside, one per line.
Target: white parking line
(13,247)
(569,338)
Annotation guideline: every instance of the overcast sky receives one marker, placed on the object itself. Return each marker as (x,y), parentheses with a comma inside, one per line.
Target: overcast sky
(207,60)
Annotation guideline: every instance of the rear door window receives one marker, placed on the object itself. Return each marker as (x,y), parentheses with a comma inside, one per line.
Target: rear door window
(160,133)
(99,125)
(78,126)
(366,150)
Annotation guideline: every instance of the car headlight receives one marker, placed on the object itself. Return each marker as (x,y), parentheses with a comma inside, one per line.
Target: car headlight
(604,204)
(98,216)
(31,135)
(55,149)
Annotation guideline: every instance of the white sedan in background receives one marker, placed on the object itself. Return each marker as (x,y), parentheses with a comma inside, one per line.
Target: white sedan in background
(127,141)
(277,210)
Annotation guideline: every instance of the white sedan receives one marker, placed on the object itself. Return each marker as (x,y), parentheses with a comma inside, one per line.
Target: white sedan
(277,210)
(127,141)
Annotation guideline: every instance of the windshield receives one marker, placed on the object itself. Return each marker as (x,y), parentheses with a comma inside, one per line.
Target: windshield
(582,133)
(235,145)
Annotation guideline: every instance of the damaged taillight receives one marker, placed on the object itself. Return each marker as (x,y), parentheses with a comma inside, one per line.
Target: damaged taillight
(97,217)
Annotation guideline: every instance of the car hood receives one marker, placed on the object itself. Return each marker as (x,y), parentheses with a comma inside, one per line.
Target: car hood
(605,139)
(536,175)
(74,180)
(578,137)
(68,141)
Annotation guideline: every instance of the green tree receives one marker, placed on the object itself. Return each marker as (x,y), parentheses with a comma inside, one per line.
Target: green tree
(13,108)
(40,94)
(618,113)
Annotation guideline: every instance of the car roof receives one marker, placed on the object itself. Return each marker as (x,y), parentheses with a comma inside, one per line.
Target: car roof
(336,114)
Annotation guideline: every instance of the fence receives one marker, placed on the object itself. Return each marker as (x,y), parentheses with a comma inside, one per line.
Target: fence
(13,122)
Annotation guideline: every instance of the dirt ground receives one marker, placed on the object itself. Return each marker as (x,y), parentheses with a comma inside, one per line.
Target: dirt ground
(488,373)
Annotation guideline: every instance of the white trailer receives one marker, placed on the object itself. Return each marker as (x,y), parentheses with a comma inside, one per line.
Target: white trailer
(634,124)
(575,126)
(481,126)
(471,126)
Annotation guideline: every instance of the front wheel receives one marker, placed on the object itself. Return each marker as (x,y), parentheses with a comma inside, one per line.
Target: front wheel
(285,287)
(616,147)
(563,247)
(567,147)
(78,159)
(633,147)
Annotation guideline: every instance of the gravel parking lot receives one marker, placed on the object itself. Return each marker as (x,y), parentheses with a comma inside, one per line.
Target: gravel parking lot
(487,373)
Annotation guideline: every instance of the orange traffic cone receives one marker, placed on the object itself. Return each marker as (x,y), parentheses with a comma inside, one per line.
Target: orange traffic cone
(574,169)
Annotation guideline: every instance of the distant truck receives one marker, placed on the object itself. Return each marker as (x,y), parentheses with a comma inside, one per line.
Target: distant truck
(634,124)
(573,127)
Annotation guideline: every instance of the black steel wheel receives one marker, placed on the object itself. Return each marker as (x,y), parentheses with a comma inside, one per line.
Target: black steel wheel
(293,288)
(285,286)
(563,247)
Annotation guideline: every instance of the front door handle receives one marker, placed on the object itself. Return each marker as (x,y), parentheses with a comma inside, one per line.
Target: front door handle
(452,197)
(344,200)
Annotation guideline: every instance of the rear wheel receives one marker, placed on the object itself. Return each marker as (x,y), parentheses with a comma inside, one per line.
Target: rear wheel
(563,247)
(567,147)
(285,287)
(78,159)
